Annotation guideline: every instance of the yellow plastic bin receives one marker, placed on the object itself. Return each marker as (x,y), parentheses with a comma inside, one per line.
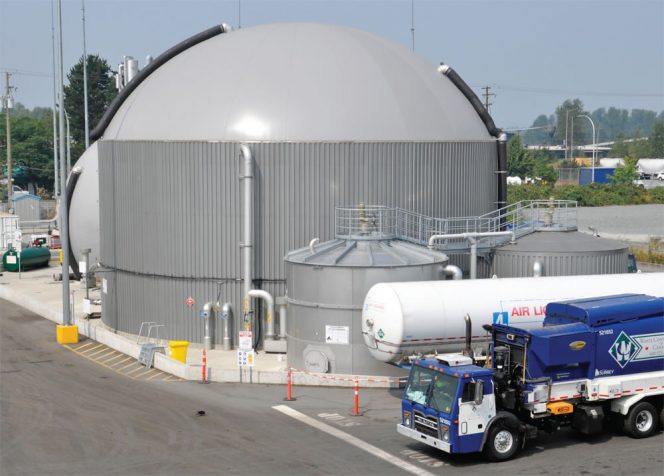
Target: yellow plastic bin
(179,350)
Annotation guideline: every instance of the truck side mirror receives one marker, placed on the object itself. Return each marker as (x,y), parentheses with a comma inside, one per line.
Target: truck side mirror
(479,391)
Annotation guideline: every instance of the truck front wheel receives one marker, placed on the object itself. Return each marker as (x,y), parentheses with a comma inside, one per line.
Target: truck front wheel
(641,420)
(502,442)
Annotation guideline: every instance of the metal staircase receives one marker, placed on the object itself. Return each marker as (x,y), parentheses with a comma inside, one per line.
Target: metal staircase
(522,218)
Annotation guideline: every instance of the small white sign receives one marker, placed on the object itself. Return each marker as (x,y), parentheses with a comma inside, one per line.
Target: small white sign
(81,267)
(246,340)
(337,334)
(104,286)
(245,358)
(11,259)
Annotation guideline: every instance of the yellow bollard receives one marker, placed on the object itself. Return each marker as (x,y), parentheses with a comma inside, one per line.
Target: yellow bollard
(179,350)
(66,334)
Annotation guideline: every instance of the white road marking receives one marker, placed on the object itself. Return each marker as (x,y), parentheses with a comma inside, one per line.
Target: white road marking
(377,452)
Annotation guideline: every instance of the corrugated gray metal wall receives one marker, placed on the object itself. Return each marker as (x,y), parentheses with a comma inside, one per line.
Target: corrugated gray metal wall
(508,264)
(27,209)
(170,213)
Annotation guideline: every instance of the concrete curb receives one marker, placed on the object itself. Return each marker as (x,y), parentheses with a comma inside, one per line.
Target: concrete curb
(96,330)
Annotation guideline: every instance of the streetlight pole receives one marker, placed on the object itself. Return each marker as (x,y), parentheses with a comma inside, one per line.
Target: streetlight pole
(55,112)
(593,153)
(64,209)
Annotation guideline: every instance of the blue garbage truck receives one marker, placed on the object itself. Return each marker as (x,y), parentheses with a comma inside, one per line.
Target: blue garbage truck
(594,360)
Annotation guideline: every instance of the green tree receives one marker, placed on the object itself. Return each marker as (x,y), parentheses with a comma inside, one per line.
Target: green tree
(101,91)
(543,168)
(568,110)
(627,173)
(656,140)
(32,146)
(520,161)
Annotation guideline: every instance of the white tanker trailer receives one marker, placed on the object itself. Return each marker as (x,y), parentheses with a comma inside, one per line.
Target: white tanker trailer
(401,319)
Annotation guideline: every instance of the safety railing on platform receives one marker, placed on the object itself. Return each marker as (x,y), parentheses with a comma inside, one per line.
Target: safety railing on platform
(372,222)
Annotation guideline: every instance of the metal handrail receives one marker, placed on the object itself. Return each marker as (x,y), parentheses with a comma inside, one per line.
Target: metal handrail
(377,222)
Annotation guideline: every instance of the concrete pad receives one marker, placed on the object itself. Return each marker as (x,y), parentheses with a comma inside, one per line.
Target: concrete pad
(37,291)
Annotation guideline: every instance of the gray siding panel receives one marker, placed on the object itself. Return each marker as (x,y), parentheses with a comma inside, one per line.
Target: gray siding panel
(171,221)
(517,265)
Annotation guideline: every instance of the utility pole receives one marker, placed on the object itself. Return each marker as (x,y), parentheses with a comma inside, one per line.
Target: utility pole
(8,105)
(85,82)
(487,96)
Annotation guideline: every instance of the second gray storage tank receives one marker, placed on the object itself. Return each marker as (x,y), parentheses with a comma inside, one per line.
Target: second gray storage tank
(560,254)
(326,289)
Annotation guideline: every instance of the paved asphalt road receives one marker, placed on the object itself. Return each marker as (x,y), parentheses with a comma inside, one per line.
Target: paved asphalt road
(62,414)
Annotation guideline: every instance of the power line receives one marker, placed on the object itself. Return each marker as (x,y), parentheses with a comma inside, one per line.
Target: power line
(21,72)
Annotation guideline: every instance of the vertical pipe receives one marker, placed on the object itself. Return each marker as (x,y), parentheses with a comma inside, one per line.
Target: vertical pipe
(64,209)
(473,258)
(227,315)
(283,316)
(248,229)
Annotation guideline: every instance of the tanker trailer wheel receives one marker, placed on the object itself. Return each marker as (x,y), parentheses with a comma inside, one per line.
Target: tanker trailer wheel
(641,421)
(502,442)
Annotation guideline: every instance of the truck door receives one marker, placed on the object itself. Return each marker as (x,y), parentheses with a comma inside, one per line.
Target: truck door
(476,408)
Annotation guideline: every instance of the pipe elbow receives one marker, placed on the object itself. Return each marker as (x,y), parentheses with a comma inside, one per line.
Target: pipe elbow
(312,245)
(443,69)
(261,294)
(245,150)
(453,271)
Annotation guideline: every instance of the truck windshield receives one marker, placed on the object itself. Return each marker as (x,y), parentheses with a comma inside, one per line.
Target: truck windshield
(444,390)
(418,385)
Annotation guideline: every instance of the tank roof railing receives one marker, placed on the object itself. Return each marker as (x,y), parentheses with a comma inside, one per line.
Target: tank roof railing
(376,222)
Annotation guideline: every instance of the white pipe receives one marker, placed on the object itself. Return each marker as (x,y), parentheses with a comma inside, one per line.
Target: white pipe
(248,230)
(208,311)
(283,316)
(471,237)
(453,271)
(227,315)
(312,245)
(267,297)
(537,269)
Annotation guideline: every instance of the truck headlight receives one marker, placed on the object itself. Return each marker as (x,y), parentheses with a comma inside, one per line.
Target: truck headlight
(445,433)
(406,419)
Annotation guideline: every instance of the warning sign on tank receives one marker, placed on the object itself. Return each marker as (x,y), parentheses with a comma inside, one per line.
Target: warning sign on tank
(337,334)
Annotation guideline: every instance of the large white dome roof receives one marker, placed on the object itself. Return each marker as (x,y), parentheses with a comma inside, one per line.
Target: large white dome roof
(297,82)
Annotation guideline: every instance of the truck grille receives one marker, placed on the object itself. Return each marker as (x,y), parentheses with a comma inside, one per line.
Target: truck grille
(426,425)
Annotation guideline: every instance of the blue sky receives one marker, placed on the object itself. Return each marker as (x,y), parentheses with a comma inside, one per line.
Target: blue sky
(533,53)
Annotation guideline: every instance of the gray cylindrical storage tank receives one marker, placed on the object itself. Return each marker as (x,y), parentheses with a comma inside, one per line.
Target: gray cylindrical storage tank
(332,116)
(560,254)
(326,290)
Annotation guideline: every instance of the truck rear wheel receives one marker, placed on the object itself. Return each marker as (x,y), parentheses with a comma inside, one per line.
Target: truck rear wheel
(502,442)
(641,421)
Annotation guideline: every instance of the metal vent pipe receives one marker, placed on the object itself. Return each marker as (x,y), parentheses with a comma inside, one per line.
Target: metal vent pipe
(248,225)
